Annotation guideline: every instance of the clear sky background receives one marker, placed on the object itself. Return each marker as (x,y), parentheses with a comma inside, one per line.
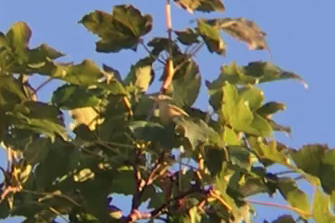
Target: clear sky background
(300,37)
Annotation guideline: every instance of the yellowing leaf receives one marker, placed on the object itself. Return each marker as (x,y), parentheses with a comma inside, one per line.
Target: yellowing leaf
(85,115)
(322,208)
(201,5)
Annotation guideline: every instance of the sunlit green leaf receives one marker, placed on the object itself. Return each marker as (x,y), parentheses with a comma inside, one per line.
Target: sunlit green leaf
(201,5)
(141,74)
(212,38)
(322,208)
(294,196)
(267,150)
(230,137)
(120,30)
(254,72)
(253,95)
(18,37)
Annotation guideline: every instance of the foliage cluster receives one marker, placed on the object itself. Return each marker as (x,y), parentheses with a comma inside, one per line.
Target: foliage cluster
(190,165)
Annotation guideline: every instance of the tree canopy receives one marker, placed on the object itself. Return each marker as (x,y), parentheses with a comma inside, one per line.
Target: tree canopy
(188,163)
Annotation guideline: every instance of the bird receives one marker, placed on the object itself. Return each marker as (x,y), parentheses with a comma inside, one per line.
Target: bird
(167,110)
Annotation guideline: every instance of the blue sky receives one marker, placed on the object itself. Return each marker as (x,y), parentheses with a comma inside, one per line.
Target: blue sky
(300,36)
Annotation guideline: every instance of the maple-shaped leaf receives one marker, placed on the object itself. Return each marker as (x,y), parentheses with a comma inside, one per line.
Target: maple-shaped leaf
(120,30)
(244,30)
(211,35)
(187,37)
(201,5)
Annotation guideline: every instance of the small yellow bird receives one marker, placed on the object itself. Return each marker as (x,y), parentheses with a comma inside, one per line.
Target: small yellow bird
(167,110)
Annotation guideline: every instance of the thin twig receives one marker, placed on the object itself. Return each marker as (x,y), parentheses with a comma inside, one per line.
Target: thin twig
(51,194)
(301,212)
(200,45)
(159,210)
(58,214)
(39,87)
(285,172)
(218,197)
(153,56)
(139,182)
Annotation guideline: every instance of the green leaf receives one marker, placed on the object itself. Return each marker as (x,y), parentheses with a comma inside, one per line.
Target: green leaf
(56,164)
(309,158)
(186,84)
(42,53)
(243,30)
(254,72)
(196,131)
(85,73)
(124,182)
(156,201)
(284,219)
(39,117)
(11,91)
(221,183)
(18,37)
(267,150)
(141,74)
(5,209)
(187,37)
(147,131)
(260,126)
(252,186)
(212,38)
(194,215)
(95,193)
(71,96)
(266,71)
(161,44)
(276,127)
(230,137)
(86,115)
(120,30)
(294,196)
(241,157)
(201,5)
(253,95)
(318,161)
(322,208)
(37,151)
(237,112)
(270,108)
(214,158)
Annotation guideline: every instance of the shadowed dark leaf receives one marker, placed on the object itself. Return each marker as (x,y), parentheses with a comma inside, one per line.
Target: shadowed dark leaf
(187,37)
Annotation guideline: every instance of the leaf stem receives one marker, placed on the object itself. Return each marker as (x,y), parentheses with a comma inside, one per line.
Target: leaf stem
(285,172)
